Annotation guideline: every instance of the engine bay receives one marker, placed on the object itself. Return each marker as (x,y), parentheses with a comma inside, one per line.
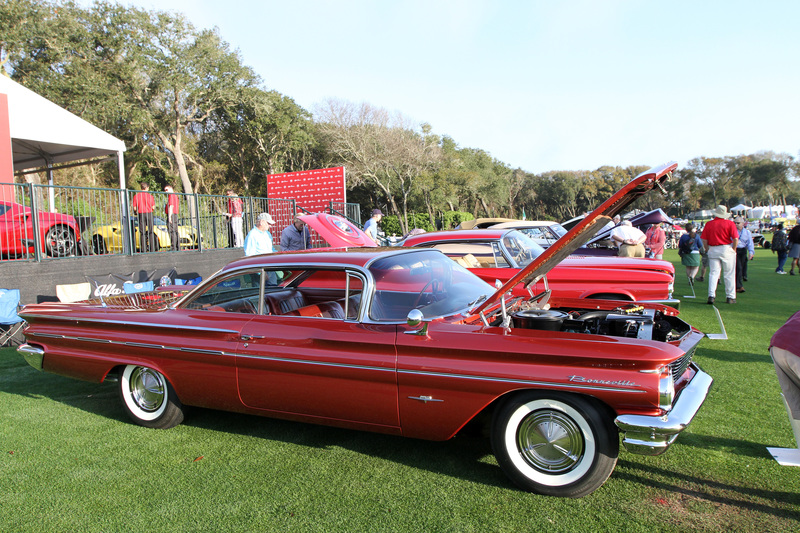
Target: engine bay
(632,321)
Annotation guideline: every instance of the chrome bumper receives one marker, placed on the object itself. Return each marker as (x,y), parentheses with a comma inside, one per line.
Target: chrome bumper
(34,356)
(652,435)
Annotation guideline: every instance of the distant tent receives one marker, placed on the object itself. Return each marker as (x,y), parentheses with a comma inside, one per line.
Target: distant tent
(699,215)
(741,208)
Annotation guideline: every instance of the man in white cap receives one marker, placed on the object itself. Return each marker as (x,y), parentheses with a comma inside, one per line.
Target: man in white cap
(259,239)
(720,237)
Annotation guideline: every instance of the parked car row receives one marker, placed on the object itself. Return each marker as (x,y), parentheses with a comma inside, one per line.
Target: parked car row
(404,341)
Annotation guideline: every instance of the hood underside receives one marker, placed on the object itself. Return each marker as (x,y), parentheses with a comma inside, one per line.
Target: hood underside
(585,229)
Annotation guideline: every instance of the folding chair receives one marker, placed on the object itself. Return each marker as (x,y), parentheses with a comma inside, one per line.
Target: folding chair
(75,292)
(9,319)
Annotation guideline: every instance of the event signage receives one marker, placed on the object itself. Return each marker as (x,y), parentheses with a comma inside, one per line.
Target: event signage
(313,190)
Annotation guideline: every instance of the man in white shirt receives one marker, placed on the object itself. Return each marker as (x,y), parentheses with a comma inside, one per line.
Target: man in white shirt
(259,239)
(629,239)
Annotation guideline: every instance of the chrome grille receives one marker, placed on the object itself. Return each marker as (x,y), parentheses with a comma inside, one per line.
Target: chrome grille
(678,366)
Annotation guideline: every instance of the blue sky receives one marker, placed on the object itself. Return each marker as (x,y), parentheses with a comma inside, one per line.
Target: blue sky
(540,85)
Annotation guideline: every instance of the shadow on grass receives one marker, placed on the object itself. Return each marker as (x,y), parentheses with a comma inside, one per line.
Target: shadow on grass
(461,457)
(769,502)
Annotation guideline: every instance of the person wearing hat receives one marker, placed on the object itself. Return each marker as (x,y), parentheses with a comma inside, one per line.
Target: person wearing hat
(259,239)
(720,237)
(295,236)
(371,226)
(630,240)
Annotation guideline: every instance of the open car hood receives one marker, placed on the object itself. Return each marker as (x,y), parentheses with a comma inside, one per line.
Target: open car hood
(584,230)
(337,231)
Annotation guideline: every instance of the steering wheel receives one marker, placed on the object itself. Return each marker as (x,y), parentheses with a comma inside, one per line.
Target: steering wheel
(522,256)
(433,284)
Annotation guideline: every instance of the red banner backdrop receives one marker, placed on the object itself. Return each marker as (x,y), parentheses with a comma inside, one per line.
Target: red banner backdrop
(312,189)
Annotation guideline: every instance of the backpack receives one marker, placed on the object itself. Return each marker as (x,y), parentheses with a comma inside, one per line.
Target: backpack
(685,247)
(779,241)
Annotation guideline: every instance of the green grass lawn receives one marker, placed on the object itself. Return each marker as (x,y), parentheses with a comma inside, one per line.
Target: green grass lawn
(71,461)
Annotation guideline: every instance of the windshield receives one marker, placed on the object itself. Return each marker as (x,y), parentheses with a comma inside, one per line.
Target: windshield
(427,280)
(521,248)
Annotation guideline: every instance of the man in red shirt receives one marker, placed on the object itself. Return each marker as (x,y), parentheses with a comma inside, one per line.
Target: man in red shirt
(234,214)
(720,238)
(143,204)
(171,211)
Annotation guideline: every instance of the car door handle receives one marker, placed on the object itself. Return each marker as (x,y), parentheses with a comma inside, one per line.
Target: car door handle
(251,337)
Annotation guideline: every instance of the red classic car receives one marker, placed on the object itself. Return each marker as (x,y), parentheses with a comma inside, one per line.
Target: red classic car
(401,341)
(499,254)
(58,234)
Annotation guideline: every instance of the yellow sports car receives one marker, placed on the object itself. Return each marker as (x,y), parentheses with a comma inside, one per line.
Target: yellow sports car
(108,238)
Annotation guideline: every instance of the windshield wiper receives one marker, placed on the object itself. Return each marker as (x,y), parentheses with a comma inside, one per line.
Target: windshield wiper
(477,300)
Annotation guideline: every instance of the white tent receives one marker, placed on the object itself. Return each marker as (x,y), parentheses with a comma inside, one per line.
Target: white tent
(740,208)
(44,134)
(774,211)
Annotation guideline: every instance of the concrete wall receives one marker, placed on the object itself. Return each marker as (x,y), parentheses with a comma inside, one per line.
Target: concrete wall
(37,281)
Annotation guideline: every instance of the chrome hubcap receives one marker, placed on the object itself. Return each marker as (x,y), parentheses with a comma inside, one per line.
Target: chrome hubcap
(148,389)
(550,441)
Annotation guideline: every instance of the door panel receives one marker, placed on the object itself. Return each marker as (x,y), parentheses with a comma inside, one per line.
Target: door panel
(319,367)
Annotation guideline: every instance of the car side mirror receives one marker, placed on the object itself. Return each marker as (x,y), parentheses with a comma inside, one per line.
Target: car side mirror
(414,319)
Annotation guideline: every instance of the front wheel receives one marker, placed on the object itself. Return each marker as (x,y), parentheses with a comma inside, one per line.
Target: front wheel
(554,444)
(59,241)
(149,398)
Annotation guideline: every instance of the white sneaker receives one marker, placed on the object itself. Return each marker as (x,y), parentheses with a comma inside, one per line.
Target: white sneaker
(780,272)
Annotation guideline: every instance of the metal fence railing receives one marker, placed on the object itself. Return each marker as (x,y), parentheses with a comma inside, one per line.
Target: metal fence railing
(84,221)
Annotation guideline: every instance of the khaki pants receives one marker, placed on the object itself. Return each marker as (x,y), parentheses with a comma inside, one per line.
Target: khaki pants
(722,260)
(631,250)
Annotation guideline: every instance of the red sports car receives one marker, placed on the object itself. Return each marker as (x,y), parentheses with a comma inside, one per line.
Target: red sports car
(58,234)
(401,341)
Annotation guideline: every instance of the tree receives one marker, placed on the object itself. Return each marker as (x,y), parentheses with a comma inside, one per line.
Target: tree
(379,148)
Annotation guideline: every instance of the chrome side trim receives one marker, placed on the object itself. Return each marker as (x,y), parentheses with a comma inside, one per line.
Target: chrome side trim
(315,363)
(543,384)
(132,344)
(571,385)
(33,356)
(132,324)
(652,435)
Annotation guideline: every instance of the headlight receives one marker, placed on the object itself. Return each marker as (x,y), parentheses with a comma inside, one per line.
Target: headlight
(666,389)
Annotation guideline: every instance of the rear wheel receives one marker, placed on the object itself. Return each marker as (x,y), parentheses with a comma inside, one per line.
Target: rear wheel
(554,444)
(149,398)
(59,241)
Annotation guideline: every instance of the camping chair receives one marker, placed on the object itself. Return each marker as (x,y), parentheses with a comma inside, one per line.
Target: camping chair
(9,304)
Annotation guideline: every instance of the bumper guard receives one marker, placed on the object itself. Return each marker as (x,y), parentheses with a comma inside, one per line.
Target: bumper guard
(652,435)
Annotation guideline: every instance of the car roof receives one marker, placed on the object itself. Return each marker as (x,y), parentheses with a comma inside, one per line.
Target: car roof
(517,224)
(358,257)
(488,234)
